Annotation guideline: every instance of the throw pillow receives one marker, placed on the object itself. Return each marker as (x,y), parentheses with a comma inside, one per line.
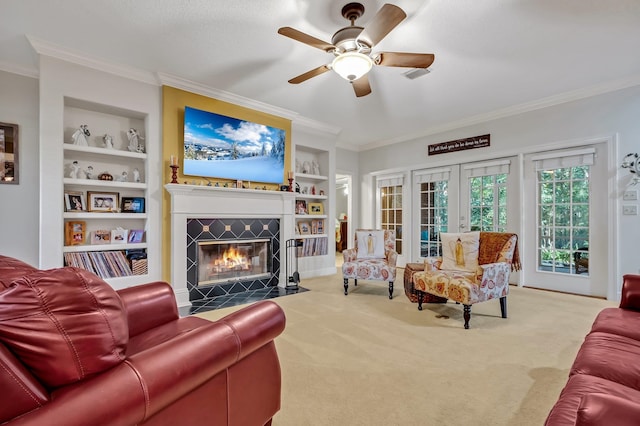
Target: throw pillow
(460,251)
(64,324)
(370,244)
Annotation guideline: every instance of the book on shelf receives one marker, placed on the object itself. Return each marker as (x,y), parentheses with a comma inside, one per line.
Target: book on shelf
(313,247)
(105,264)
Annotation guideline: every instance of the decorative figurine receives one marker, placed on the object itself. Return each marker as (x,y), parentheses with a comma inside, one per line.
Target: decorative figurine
(134,140)
(80,136)
(89,172)
(124,176)
(136,175)
(75,168)
(108,141)
(315,168)
(306,167)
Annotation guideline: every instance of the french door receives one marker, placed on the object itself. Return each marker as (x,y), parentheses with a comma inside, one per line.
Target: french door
(479,196)
(566,216)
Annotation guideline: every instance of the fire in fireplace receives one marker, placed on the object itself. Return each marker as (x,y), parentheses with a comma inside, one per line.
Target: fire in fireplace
(233,260)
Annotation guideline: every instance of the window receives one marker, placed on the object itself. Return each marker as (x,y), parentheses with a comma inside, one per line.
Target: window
(391,211)
(563,213)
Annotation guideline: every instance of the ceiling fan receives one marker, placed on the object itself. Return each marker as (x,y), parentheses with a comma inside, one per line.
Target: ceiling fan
(352,47)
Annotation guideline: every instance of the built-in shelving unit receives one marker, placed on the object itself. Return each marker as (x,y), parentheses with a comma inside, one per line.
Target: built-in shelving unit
(97,172)
(312,205)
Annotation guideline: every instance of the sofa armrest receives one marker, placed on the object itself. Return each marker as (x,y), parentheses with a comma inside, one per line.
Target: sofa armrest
(205,352)
(603,409)
(630,298)
(148,306)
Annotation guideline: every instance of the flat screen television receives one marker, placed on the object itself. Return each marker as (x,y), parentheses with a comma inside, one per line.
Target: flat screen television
(224,147)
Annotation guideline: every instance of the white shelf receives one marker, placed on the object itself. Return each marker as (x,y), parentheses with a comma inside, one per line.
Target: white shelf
(311,216)
(90,215)
(310,197)
(95,183)
(103,247)
(104,151)
(309,236)
(307,176)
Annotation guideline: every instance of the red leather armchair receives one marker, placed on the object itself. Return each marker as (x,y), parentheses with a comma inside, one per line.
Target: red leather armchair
(73,351)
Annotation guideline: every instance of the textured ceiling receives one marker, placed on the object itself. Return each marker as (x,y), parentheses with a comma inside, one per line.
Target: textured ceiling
(492,56)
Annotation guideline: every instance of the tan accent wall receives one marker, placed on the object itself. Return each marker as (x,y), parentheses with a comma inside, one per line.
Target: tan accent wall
(173,103)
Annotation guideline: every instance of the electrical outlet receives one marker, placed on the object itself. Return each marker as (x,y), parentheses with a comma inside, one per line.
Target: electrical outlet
(630,195)
(630,210)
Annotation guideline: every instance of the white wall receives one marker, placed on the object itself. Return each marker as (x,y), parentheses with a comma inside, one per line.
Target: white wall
(612,115)
(19,211)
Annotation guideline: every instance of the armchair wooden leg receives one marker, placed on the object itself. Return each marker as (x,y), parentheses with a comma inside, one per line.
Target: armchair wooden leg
(355,282)
(503,306)
(420,294)
(390,289)
(346,286)
(467,315)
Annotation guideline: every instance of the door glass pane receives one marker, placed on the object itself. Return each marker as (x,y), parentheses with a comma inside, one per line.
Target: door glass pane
(563,220)
(488,203)
(391,211)
(433,216)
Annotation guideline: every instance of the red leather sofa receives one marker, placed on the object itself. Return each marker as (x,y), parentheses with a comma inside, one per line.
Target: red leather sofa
(75,352)
(604,381)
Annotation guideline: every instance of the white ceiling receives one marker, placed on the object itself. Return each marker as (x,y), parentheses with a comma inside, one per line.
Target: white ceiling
(492,56)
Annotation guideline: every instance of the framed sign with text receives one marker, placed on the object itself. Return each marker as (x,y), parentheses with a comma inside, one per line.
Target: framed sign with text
(460,144)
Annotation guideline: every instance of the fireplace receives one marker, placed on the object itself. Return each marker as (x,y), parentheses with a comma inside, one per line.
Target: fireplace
(231,255)
(208,213)
(222,261)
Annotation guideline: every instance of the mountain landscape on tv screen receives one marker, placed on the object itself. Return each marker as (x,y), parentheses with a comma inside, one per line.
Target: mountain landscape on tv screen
(218,146)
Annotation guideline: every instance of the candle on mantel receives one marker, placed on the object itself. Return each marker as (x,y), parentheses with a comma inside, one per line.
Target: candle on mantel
(290,174)
(174,161)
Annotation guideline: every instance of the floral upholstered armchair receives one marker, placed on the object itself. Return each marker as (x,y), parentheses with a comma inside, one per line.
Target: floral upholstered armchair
(475,267)
(373,258)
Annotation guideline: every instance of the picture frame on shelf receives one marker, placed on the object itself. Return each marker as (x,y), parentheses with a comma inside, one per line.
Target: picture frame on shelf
(101,236)
(74,233)
(102,201)
(301,207)
(304,228)
(136,236)
(119,236)
(317,226)
(133,205)
(9,153)
(316,208)
(74,201)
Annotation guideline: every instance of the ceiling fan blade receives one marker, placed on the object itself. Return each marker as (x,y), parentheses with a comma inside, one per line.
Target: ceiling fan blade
(309,74)
(385,20)
(401,59)
(306,39)
(361,86)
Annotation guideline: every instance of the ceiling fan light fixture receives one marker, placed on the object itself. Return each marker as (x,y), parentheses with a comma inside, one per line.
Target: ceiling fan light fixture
(352,65)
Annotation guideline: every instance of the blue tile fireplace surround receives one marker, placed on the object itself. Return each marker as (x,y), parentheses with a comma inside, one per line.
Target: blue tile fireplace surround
(231,230)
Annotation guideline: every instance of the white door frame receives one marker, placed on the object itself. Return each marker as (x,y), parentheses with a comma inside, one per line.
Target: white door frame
(611,142)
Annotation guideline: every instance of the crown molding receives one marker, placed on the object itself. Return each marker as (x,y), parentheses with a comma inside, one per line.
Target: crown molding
(19,69)
(550,101)
(201,89)
(46,48)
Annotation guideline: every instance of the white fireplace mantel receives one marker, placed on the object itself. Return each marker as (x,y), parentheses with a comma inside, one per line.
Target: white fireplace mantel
(194,201)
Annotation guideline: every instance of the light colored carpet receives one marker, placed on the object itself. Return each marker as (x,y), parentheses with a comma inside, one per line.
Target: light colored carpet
(363,359)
